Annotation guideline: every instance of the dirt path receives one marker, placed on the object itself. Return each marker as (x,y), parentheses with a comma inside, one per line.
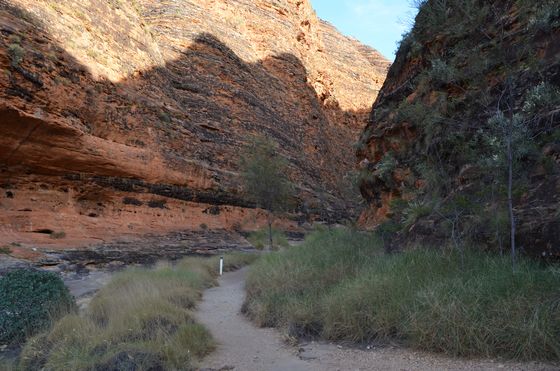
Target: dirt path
(244,347)
(240,344)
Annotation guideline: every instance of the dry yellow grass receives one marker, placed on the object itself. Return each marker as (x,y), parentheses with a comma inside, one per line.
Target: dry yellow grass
(141,320)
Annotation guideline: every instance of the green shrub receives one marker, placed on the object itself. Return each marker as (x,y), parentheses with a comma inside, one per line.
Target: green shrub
(415,210)
(339,285)
(16,53)
(410,45)
(5,250)
(365,176)
(164,117)
(442,74)
(546,17)
(29,301)
(260,239)
(364,138)
(385,167)
(412,113)
(542,97)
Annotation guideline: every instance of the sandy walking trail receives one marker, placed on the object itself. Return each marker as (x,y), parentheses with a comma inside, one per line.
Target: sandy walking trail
(241,344)
(244,347)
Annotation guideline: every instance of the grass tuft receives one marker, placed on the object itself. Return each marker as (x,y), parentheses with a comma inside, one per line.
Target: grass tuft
(58,235)
(340,286)
(142,320)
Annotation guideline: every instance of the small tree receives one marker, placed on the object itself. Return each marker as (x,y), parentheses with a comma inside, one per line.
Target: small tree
(513,139)
(264,177)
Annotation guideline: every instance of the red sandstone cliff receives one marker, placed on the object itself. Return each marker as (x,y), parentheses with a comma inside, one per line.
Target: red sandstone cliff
(126,117)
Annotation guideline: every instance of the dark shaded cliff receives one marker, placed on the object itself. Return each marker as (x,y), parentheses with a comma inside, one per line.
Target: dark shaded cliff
(128,117)
(469,77)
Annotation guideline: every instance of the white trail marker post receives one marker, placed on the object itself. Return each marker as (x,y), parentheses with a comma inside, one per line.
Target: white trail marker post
(221,265)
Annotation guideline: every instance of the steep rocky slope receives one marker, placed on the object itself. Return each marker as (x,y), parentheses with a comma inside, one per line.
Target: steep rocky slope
(470,76)
(127,117)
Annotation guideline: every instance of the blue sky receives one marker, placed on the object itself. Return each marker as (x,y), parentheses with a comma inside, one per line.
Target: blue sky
(378,23)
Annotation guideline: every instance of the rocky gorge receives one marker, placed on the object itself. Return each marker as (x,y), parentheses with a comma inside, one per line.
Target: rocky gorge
(139,137)
(124,118)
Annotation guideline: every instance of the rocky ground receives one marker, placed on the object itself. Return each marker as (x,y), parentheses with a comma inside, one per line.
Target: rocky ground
(85,270)
(146,250)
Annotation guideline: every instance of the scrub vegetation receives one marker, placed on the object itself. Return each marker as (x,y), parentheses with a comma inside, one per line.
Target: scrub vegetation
(341,285)
(261,238)
(142,320)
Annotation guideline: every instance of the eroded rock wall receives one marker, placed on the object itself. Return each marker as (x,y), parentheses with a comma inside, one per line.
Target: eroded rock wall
(433,156)
(127,117)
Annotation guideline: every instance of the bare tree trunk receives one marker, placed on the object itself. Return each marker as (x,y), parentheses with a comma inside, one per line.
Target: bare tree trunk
(458,245)
(497,220)
(510,173)
(270,232)
(500,242)
(510,195)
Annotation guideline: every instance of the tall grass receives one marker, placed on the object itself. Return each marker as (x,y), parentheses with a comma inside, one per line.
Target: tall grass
(286,288)
(260,239)
(141,320)
(339,285)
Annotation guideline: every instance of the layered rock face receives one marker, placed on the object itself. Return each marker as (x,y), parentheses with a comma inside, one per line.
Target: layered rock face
(127,117)
(470,76)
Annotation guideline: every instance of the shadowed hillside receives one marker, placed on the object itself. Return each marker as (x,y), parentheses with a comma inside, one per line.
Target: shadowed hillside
(96,155)
(468,79)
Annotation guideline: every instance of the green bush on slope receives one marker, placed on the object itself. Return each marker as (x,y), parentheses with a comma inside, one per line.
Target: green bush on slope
(340,286)
(438,88)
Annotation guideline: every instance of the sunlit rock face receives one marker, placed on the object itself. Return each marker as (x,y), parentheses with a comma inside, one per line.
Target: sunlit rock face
(127,117)
(431,125)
